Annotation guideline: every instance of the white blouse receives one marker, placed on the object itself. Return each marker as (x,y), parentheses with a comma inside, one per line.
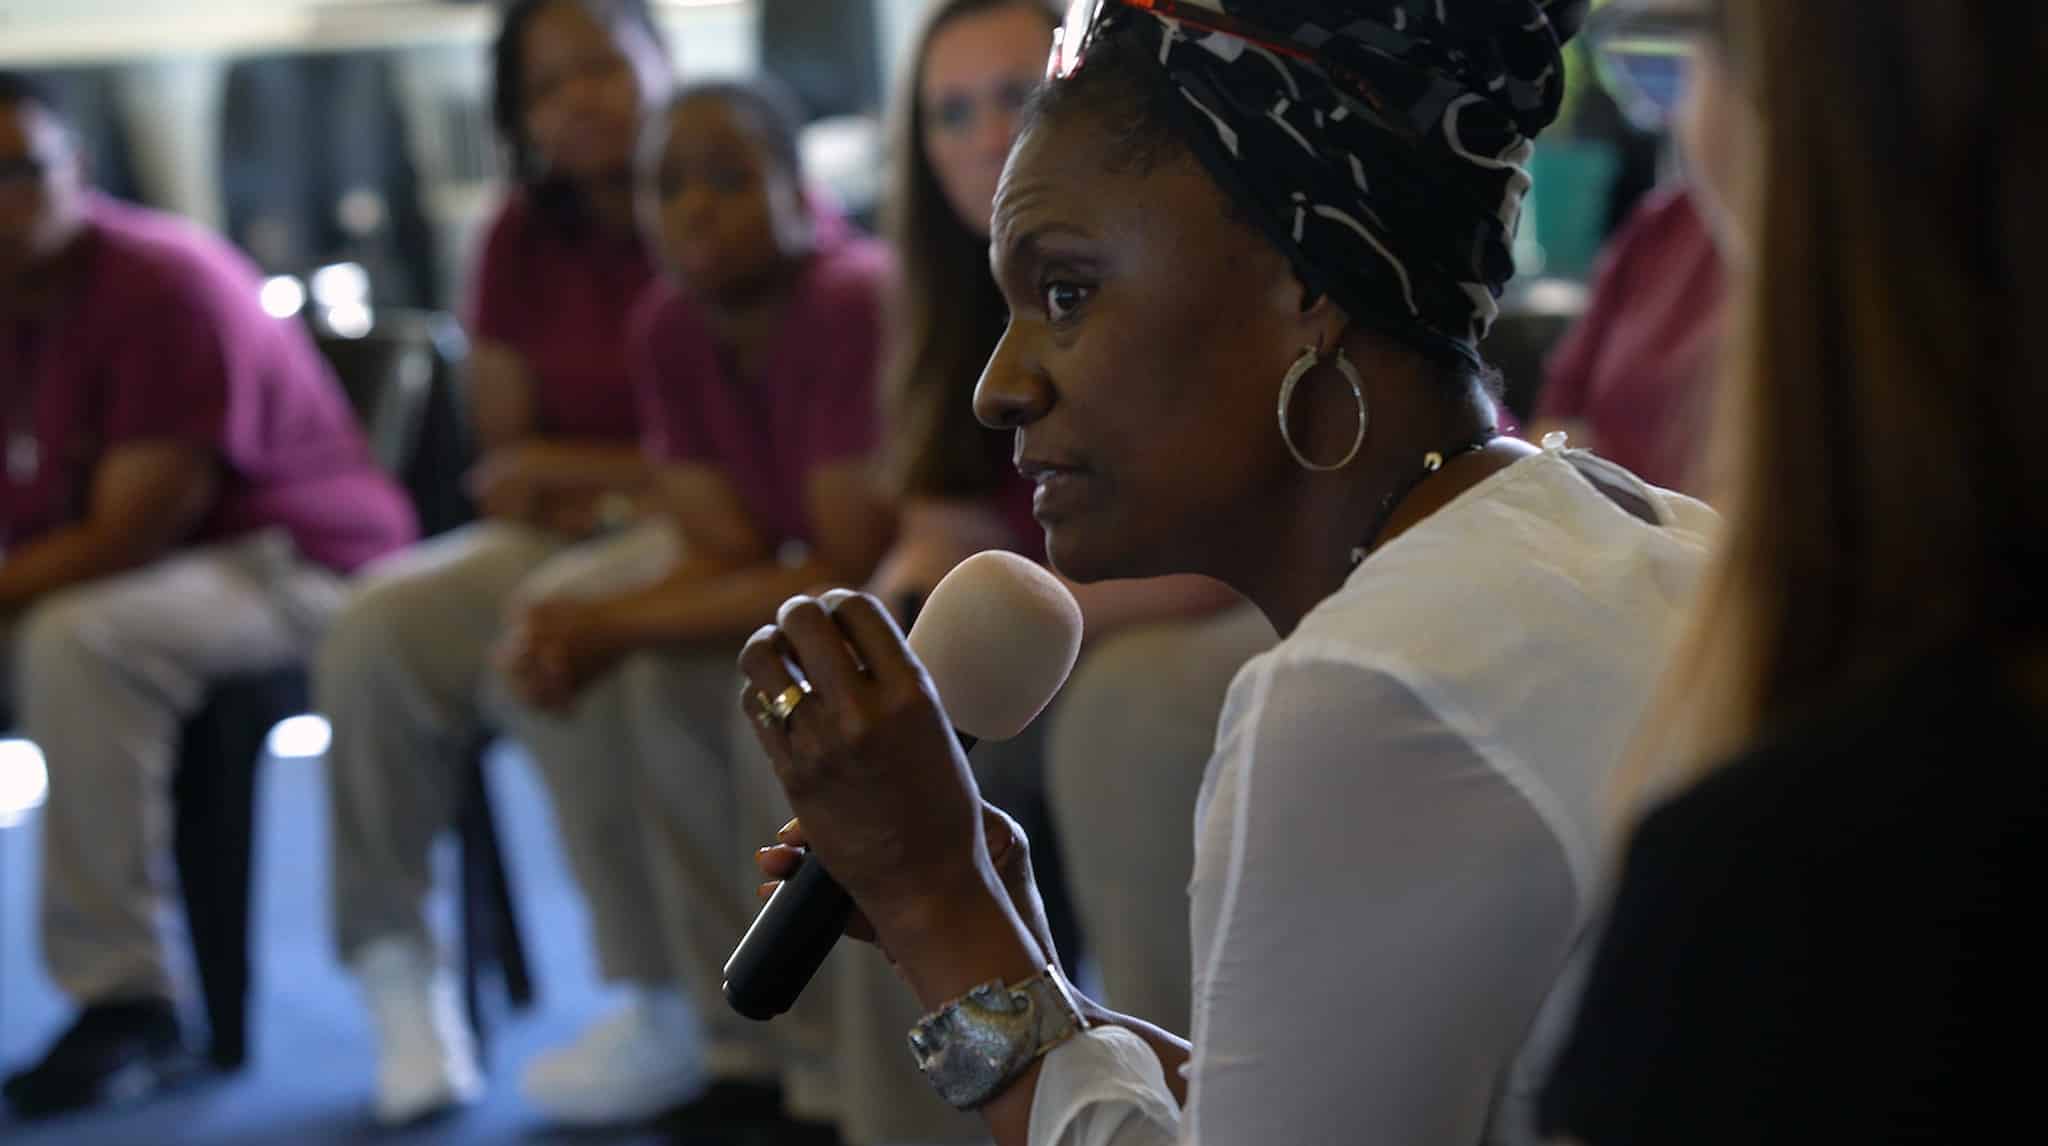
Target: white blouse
(1396,836)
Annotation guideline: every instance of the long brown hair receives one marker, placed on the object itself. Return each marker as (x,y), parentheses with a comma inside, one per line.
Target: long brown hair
(1888,496)
(949,315)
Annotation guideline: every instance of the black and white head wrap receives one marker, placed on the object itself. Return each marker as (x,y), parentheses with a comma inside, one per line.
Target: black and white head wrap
(1399,197)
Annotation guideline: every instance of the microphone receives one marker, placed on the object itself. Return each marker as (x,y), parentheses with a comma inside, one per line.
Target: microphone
(998,637)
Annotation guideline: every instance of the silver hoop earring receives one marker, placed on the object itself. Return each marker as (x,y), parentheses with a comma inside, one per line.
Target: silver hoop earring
(1311,358)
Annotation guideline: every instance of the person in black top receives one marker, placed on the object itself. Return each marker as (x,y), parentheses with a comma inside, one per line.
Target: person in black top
(1831,936)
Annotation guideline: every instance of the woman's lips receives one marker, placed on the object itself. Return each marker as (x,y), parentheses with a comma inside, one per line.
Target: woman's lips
(1061,488)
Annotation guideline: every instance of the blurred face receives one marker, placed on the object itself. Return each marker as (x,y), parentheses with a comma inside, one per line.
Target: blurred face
(725,215)
(586,87)
(1717,130)
(1148,335)
(978,72)
(41,189)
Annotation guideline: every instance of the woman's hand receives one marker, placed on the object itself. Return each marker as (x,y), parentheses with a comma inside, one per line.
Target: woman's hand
(1008,848)
(501,487)
(536,483)
(869,762)
(553,650)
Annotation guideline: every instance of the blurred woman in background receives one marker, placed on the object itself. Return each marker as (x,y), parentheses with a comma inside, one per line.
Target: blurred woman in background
(554,416)
(1824,938)
(755,361)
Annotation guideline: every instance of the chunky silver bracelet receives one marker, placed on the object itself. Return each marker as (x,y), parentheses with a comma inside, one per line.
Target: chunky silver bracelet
(974,1047)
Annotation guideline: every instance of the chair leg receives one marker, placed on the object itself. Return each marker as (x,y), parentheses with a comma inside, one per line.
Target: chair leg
(213,796)
(215,801)
(491,936)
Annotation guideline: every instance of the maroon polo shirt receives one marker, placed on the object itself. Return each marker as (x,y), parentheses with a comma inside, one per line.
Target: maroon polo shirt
(1639,368)
(159,337)
(813,404)
(561,297)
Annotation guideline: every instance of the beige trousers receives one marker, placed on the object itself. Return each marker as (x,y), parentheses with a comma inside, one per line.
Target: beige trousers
(641,773)
(103,677)
(401,678)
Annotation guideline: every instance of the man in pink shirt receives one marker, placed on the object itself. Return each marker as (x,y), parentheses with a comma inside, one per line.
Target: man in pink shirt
(182,485)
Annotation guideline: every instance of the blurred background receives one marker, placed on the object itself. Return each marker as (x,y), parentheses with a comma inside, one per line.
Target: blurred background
(324,132)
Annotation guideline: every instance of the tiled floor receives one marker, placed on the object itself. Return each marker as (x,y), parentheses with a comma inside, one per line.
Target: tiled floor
(308,1079)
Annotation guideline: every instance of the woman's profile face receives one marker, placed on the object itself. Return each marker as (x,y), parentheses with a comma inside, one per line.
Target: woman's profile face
(585,85)
(979,71)
(1147,341)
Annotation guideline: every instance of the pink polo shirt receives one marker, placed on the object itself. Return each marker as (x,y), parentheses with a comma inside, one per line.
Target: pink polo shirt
(813,404)
(1639,368)
(562,300)
(161,338)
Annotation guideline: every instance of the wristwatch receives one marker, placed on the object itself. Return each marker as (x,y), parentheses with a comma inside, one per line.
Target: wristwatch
(974,1047)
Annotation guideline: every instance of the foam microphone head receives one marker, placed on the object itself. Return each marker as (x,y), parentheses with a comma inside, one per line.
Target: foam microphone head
(998,635)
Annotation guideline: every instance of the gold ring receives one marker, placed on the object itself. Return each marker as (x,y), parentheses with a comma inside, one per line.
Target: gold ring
(778,708)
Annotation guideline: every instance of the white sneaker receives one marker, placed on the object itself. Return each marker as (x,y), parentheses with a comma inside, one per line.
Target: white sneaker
(426,1061)
(643,1060)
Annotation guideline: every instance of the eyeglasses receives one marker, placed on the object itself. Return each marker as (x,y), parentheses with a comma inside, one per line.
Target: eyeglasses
(1085,18)
(1646,58)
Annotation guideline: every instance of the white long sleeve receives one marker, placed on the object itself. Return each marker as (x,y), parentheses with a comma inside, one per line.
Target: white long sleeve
(1395,833)
(1387,914)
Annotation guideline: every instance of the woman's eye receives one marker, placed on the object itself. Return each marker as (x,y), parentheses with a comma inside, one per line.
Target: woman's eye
(1063,299)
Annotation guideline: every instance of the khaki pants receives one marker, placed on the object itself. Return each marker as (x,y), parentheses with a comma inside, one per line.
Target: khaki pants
(104,675)
(401,679)
(649,811)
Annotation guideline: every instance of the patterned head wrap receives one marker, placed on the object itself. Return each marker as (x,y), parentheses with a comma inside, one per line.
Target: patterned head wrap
(1392,169)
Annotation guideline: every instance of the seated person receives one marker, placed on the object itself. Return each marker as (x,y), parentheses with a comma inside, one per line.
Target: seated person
(555,418)
(1633,380)
(755,364)
(1822,930)
(1129,735)
(185,483)
(1399,828)
(1124,743)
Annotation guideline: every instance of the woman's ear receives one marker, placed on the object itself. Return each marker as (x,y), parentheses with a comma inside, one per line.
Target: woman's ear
(1324,322)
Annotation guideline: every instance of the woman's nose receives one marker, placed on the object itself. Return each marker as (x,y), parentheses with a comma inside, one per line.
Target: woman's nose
(1011,393)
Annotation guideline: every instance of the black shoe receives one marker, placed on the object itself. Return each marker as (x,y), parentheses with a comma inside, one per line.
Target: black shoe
(114,1053)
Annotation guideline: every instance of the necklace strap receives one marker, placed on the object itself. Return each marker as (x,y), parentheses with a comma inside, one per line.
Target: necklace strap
(1432,462)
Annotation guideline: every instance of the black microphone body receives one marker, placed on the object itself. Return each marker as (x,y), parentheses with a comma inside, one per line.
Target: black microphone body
(790,939)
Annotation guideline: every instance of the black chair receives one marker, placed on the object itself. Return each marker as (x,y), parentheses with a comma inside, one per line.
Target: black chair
(401,380)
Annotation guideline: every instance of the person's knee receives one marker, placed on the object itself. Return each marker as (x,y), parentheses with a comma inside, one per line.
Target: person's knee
(552,736)
(363,638)
(59,635)
(391,620)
